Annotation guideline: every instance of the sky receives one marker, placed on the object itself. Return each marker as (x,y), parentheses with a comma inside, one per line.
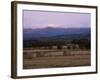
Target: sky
(42,19)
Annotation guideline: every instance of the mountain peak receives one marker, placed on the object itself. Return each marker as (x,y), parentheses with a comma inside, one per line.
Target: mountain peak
(49,27)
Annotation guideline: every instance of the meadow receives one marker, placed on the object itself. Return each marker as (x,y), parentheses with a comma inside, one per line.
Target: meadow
(56,58)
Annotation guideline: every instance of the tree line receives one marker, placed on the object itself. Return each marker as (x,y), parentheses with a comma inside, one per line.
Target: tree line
(83,43)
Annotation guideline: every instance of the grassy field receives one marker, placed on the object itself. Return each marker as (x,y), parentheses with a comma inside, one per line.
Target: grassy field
(71,59)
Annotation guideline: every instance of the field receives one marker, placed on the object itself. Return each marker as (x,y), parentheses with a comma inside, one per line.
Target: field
(55,58)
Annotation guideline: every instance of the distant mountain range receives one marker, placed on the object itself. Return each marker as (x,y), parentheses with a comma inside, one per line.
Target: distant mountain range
(56,33)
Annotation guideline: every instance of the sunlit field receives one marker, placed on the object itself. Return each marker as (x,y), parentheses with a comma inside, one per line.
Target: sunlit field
(55,58)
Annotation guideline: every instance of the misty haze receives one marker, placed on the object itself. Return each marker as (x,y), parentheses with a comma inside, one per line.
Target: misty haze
(56,39)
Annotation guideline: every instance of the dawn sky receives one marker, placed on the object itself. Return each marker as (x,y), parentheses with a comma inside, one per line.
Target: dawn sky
(41,19)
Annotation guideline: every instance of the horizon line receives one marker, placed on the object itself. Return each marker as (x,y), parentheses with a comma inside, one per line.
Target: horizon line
(58,27)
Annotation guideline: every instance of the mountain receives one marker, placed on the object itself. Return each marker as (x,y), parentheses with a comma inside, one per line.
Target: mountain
(56,33)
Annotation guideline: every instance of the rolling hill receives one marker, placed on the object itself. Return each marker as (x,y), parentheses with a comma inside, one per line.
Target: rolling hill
(56,33)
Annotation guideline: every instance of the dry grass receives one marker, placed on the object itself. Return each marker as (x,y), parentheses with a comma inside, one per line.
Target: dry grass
(74,58)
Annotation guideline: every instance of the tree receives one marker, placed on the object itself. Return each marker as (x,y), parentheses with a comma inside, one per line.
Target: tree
(84,43)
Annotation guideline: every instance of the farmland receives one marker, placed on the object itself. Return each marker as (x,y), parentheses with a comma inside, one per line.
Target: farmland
(56,47)
(56,58)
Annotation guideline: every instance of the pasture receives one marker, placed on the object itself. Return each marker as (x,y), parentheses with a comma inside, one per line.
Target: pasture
(55,58)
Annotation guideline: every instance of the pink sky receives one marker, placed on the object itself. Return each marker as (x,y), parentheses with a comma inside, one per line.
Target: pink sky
(41,19)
